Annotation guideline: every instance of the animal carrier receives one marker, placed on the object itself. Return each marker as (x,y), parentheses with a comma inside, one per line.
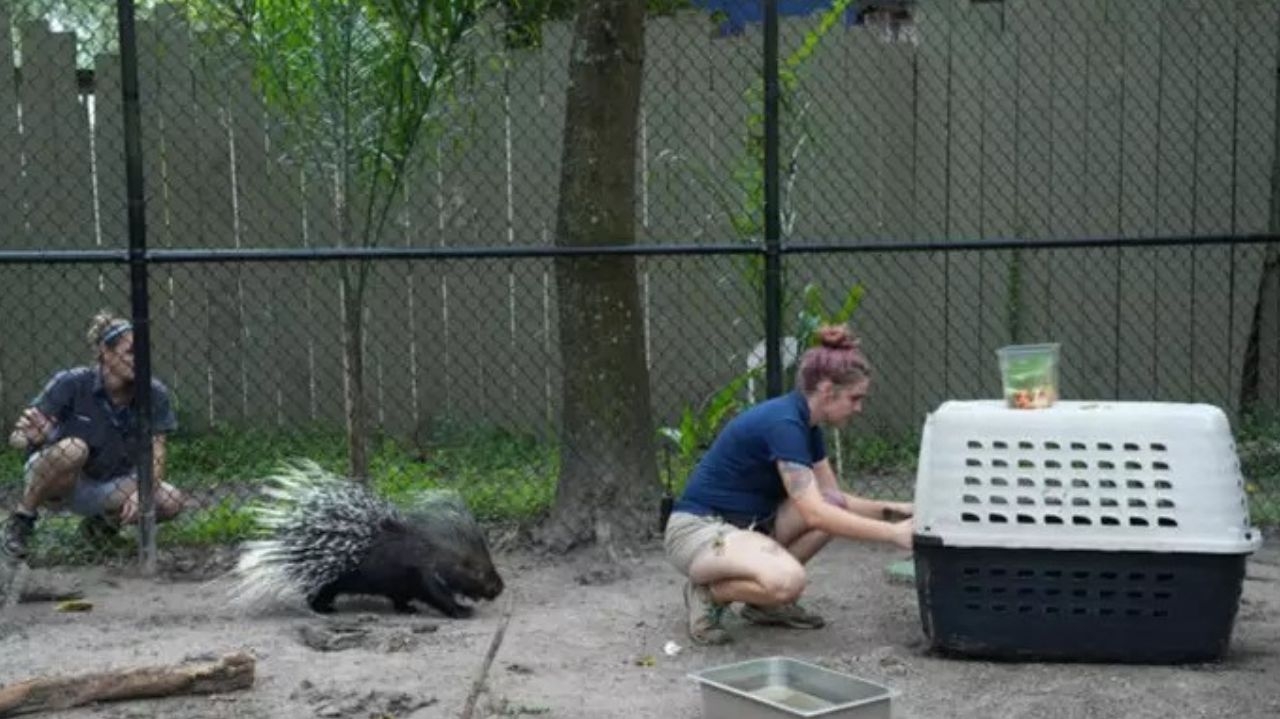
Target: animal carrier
(1110,531)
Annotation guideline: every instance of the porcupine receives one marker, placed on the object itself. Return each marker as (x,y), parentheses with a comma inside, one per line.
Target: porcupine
(325,536)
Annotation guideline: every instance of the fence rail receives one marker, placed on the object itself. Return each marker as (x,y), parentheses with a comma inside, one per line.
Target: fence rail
(1093,172)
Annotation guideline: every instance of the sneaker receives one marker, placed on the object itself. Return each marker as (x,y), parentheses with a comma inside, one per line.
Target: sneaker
(705,615)
(98,529)
(786,615)
(18,531)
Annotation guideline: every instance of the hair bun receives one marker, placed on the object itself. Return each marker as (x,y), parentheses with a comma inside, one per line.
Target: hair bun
(837,337)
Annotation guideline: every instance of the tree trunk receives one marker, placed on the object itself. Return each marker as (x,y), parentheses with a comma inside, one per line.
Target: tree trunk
(608,485)
(1251,379)
(353,380)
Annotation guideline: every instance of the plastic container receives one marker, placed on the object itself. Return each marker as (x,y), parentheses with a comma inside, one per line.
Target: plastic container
(1109,531)
(778,687)
(1029,374)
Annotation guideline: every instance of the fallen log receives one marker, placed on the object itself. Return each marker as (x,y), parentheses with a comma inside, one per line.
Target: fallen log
(229,673)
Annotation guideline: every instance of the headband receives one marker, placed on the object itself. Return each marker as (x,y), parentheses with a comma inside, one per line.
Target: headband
(114,332)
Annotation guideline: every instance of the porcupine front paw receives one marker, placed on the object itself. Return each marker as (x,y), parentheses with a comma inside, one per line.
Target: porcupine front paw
(402,606)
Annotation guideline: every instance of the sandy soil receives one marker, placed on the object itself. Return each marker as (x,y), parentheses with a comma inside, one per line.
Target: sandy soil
(577,647)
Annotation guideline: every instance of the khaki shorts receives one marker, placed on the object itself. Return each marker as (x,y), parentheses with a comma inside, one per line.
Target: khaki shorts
(688,535)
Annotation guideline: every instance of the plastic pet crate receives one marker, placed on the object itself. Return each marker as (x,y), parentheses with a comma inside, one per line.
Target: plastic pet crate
(1105,531)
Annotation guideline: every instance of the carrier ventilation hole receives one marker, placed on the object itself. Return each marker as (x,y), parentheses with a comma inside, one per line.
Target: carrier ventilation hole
(1106,484)
(1049,464)
(1163,503)
(1135,484)
(1079,446)
(1104,446)
(999,463)
(1081,521)
(999,444)
(1167,522)
(973,462)
(1052,482)
(1024,444)
(969,517)
(1052,519)
(1025,482)
(1131,447)
(1079,464)
(1026,501)
(1160,466)
(1163,484)
(1158,447)
(1080,483)
(999,482)
(997,499)
(1132,465)
(975,444)
(1026,519)
(997,518)
(1106,464)
(1108,502)
(1052,445)
(1138,522)
(972,481)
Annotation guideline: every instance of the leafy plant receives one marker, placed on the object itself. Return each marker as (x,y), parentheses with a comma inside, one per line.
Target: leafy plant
(814,312)
(698,426)
(360,88)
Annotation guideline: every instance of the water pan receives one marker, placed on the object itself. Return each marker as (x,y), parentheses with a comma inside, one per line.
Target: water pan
(777,687)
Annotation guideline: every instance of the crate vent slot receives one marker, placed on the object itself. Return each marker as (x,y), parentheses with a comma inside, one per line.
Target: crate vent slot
(1082,521)
(1052,519)
(1132,465)
(1080,502)
(1158,447)
(1026,519)
(973,462)
(971,499)
(1026,501)
(997,518)
(1000,444)
(1025,482)
(1164,503)
(1108,502)
(1050,464)
(1052,445)
(999,482)
(1167,522)
(1106,464)
(1104,446)
(1052,482)
(972,481)
(1138,522)
(1079,446)
(1135,484)
(1160,466)
(969,517)
(999,463)
(997,499)
(1109,521)
(1131,447)
(975,444)
(1106,484)
(1135,502)
(1024,444)
(1080,483)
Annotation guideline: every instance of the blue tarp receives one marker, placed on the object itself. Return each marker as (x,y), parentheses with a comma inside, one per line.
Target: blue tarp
(739,13)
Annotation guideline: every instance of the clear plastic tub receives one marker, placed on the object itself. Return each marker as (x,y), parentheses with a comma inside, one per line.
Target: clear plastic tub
(1029,374)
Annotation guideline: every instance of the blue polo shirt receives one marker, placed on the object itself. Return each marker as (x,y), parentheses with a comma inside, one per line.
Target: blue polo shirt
(738,474)
(76,400)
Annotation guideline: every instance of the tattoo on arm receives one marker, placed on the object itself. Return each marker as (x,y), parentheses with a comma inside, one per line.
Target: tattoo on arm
(797,476)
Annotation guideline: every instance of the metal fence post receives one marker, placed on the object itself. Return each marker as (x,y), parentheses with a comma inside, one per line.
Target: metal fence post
(772,210)
(138,282)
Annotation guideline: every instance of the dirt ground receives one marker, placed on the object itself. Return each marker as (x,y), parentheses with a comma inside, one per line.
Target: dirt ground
(584,648)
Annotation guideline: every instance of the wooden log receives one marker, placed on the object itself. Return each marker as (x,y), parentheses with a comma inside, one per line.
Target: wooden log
(229,673)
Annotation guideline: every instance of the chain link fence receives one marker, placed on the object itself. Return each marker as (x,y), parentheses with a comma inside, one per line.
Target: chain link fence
(335,241)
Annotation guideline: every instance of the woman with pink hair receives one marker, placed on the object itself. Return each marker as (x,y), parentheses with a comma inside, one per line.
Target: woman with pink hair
(765,499)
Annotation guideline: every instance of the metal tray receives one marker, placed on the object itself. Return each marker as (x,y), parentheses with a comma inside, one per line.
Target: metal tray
(775,687)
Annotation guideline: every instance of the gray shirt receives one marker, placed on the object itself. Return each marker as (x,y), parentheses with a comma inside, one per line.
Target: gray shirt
(76,400)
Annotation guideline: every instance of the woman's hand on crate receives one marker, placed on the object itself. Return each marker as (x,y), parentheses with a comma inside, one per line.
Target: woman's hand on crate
(904,533)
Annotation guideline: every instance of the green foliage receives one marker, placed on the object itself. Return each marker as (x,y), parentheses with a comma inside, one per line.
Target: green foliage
(815,314)
(698,426)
